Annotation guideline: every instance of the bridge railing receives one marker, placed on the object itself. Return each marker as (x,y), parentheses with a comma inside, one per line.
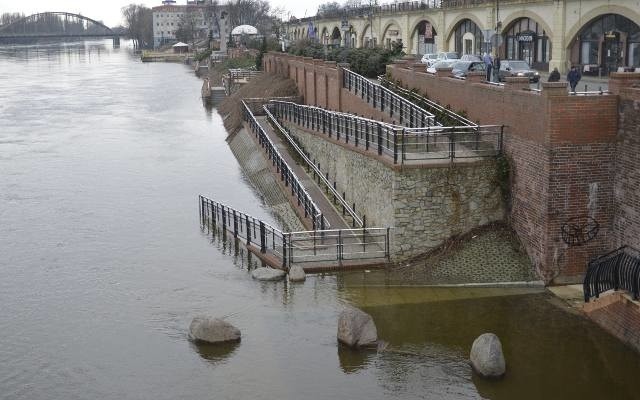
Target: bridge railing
(397,107)
(330,246)
(619,269)
(397,143)
(442,114)
(311,210)
(322,179)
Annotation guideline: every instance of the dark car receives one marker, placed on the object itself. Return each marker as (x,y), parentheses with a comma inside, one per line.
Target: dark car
(517,68)
(462,68)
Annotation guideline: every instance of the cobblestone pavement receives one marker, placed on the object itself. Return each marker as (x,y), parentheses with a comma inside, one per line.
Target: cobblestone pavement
(488,256)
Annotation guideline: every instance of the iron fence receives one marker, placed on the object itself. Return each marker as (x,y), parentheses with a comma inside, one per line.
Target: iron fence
(379,97)
(619,269)
(398,143)
(442,114)
(332,246)
(322,179)
(311,210)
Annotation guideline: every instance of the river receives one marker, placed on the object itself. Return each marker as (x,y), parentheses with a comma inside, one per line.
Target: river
(104,264)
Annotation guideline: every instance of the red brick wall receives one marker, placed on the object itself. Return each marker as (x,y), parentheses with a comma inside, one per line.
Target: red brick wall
(626,224)
(562,151)
(618,316)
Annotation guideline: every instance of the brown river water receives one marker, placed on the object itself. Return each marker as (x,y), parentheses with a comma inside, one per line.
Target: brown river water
(104,264)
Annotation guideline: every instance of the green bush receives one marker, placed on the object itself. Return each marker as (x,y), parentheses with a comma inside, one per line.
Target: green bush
(202,56)
(369,62)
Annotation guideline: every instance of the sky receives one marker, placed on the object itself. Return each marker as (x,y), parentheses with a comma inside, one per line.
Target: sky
(109,10)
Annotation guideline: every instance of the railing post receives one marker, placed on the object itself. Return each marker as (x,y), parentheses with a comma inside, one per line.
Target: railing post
(224,218)
(387,245)
(214,208)
(395,146)
(452,145)
(339,245)
(379,139)
(248,228)
(284,251)
(263,238)
(235,224)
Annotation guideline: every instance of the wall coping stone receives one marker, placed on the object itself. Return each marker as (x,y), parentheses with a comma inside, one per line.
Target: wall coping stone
(476,76)
(555,89)
(517,82)
(443,72)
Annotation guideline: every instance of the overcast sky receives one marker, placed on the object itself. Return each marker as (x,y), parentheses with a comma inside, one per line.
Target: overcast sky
(109,10)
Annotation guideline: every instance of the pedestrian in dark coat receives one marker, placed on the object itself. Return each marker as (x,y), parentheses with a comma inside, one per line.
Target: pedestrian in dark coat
(554,76)
(496,68)
(573,77)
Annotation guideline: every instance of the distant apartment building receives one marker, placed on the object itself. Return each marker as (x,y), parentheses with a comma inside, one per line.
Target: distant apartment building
(210,21)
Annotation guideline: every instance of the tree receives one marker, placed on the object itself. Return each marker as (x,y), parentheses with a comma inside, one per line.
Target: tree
(251,12)
(187,27)
(139,21)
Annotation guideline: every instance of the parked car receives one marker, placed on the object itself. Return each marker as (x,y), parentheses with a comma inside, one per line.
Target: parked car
(450,55)
(429,59)
(440,64)
(462,68)
(470,57)
(517,68)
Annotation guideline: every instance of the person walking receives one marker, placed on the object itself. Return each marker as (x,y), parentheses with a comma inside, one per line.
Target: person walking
(496,68)
(488,63)
(554,76)
(573,77)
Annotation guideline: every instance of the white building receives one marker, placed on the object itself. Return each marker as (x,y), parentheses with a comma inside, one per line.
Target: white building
(167,18)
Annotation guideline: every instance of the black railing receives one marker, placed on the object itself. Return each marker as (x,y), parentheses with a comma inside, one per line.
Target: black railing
(317,173)
(398,108)
(330,246)
(398,143)
(443,115)
(619,269)
(311,210)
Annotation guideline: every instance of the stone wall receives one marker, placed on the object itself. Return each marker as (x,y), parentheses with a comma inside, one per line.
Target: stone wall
(424,206)
(561,150)
(626,225)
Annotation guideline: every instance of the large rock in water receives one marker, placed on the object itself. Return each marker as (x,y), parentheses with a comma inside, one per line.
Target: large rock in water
(486,356)
(296,274)
(213,330)
(267,274)
(356,328)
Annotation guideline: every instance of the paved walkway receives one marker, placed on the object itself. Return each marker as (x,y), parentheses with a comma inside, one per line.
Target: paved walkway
(318,196)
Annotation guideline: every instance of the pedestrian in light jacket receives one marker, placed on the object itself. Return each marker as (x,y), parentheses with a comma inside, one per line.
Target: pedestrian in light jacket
(573,77)
(488,62)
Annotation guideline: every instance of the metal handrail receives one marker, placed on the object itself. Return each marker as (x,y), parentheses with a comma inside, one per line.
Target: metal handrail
(431,104)
(287,174)
(356,220)
(385,100)
(335,245)
(399,143)
(618,269)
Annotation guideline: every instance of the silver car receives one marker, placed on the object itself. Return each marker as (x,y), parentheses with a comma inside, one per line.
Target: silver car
(440,64)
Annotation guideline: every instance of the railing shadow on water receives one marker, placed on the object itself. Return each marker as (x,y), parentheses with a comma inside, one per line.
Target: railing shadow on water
(618,269)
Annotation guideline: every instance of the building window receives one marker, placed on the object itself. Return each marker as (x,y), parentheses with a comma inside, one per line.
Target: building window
(468,26)
(527,41)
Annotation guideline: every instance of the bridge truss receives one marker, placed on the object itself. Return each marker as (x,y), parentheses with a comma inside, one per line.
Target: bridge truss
(56,24)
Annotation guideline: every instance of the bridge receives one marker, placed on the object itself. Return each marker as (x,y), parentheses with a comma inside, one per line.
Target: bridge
(57,24)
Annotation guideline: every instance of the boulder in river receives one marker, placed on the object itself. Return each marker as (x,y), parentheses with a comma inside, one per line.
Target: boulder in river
(356,328)
(213,330)
(296,274)
(486,356)
(267,274)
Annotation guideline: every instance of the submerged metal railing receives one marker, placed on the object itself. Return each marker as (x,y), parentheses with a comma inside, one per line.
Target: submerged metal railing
(322,179)
(311,210)
(619,269)
(332,246)
(405,112)
(399,143)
